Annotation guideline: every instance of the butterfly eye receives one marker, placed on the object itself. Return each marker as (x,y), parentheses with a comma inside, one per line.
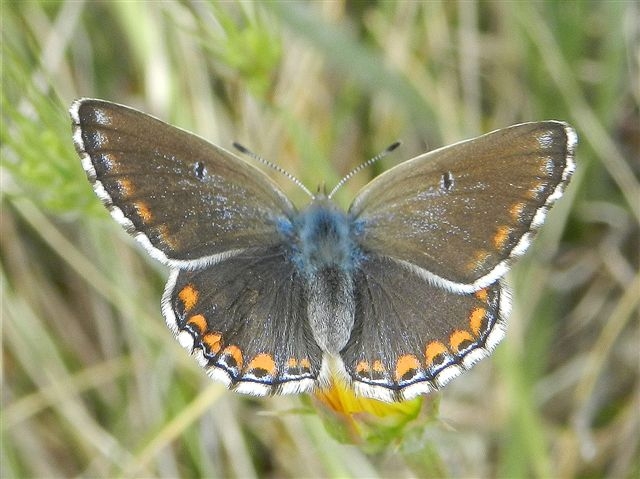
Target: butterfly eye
(200,170)
(446,181)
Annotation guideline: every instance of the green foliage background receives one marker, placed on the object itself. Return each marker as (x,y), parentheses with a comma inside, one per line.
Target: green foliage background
(93,383)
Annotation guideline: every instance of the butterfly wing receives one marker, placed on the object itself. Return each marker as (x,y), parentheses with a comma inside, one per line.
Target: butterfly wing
(460,214)
(187,201)
(232,299)
(411,337)
(245,320)
(437,234)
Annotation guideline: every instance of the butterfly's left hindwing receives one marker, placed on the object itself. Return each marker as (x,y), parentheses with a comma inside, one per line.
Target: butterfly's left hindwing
(244,318)
(411,337)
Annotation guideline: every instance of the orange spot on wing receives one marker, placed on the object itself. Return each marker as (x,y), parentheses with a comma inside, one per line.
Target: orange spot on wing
(476,320)
(295,366)
(305,364)
(199,323)
(213,342)
(406,367)
(478,260)
(501,237)
(262,365)
(433,350)
(482,295)
(143,211)
(458,339)
(516,211)
(363,368)
(378,366)
(126,187)
(235,354)
(166,237)
(189,297)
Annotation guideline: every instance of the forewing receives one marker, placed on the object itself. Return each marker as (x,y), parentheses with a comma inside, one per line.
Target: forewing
(186,200)
(244,318)
(461,213)
(411,337)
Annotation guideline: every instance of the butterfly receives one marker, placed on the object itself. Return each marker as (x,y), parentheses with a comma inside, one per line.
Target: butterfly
(396,296)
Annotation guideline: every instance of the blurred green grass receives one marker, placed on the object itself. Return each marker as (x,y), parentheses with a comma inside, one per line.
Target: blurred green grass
(93,383)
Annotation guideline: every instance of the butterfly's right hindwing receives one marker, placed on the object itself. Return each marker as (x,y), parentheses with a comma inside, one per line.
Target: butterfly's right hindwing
(244,318)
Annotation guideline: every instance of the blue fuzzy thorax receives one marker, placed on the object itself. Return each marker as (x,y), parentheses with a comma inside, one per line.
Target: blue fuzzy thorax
(323,238)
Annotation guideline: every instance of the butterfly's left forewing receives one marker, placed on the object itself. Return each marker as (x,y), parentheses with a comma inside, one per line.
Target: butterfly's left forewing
(460,215)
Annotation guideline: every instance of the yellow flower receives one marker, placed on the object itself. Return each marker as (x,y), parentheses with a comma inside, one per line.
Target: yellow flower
(366,422)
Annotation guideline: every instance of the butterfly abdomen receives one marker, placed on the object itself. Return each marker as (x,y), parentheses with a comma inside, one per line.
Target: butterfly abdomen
(331,308)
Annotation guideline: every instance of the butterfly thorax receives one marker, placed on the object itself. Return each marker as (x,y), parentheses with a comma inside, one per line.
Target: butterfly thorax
(325,255)
(324,237)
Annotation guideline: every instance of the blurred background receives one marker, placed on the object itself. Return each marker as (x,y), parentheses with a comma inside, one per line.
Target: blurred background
(93,383)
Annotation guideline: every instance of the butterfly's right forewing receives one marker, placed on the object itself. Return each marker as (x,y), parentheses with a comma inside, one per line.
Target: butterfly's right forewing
(189,202)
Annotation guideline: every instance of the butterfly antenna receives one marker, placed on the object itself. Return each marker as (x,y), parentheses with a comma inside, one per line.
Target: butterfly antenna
(364,165)
(273,166)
